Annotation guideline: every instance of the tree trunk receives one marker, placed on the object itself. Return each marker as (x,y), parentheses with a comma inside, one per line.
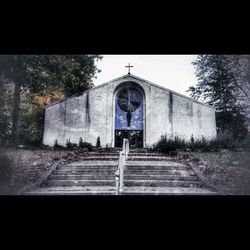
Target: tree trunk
(15,116)
(248,73)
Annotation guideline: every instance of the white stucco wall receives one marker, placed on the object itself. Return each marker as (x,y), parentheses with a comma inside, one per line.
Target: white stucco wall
(76,117)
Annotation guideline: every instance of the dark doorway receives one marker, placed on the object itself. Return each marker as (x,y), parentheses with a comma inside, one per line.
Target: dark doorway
(135,138)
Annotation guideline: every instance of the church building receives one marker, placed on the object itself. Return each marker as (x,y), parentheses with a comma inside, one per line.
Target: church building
(127,107)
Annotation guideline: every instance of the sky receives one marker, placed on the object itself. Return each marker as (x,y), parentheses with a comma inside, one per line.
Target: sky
(174,72)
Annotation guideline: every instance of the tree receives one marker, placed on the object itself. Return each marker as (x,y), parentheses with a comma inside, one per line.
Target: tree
(71,74)
(5,112)
(42,74)
(221,84)
(13,69)
(31,120)
(244,80)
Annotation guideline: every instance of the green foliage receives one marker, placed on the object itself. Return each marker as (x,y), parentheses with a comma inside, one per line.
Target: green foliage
(57,146)
(31,122)
(83,144)
(166,145)
(5,127)
(98,142)
(224,141)
(221,84)
(68,143)
(5,113)
(71,74)
(42,75)
(80,142)
(71,145)
(233,122)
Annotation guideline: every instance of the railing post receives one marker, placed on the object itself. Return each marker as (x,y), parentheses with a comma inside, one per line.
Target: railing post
(125,147)
(122,162)
(119,174)
(123,144)
(117,182)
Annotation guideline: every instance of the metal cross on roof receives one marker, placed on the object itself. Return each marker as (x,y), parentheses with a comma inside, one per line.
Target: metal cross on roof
(129,67)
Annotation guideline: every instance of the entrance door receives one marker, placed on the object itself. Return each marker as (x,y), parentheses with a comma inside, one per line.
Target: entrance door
(135,138)
(129,117)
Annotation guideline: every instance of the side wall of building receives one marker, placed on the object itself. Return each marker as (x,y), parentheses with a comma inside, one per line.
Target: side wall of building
(191,119)
(88,117)
(65,121)
(171,115)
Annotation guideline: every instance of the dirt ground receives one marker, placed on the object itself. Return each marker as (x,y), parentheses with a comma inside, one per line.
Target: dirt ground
(27,166)
(226,171)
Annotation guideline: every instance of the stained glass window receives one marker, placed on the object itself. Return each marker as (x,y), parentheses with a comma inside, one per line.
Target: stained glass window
(129,110)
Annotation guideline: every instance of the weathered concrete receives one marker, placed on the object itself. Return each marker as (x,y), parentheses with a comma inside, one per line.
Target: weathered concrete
(140,177)
(99,190)
(91,115)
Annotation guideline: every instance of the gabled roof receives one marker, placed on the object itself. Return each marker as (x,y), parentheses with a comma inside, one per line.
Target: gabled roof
(139,79)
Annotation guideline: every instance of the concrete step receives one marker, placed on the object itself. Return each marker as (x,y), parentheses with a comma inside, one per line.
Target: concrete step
(146,183)
(73,190)
(155,168)
(162,183)
(100,158)
(144,154)
(160,177)
(148,158)
(104,190)
(138,150)
(166,191)
(58,183)
(103,150)
(128,168)
(82,177)
(153,163)
(92,163)
(86,167)
(115,163)
(146,173)
(131,161)
(84,172)
(160,172)
(103,153)
(126,177)
(130,171)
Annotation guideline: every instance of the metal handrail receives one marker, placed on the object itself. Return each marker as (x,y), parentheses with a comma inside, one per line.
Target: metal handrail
(119,174)
(125,147)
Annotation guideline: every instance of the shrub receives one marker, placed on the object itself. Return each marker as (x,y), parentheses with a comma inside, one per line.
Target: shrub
(167,145)
(224,141)
(83,144)
(57,146)
(70,145)
(98,142)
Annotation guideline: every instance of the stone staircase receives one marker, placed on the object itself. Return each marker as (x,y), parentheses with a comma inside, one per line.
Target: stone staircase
(145,173)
